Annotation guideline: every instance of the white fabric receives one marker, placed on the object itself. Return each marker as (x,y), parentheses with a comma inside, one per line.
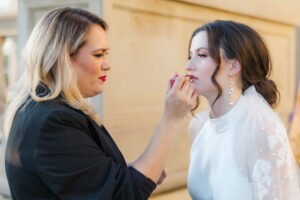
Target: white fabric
(244,155)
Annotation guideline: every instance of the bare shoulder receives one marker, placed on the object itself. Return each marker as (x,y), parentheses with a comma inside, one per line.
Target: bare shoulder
(197,123)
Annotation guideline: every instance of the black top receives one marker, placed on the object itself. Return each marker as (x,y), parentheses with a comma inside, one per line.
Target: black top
(57,152)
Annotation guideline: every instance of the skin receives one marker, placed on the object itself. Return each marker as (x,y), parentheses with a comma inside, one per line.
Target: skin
(202,66)
(90,63)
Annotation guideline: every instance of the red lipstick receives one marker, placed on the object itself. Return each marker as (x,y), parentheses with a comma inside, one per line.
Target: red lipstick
(103,78)
(193,78)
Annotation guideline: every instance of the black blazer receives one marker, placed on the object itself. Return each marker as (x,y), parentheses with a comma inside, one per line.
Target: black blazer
(57,152)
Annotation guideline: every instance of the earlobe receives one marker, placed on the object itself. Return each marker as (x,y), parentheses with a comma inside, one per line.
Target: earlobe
(236,68)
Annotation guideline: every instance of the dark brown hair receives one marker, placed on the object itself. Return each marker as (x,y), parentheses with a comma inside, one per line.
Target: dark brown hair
(241,42)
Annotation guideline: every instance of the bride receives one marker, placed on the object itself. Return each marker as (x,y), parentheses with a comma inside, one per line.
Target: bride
(242,150)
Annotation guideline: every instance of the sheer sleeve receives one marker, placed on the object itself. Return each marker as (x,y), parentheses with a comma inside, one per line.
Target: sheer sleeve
(266,157)
(271,166)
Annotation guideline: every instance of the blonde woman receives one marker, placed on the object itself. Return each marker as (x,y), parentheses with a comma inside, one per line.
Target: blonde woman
(57,146)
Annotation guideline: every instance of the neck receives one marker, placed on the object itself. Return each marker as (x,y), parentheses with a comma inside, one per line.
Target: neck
(222,105)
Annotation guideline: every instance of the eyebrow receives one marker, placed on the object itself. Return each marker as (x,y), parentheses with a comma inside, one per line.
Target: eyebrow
(101,49)
(200,49)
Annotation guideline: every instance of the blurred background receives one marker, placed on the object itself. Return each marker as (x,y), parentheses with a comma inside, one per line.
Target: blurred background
(149,42)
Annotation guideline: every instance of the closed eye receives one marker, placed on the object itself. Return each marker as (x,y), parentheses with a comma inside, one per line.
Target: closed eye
(202,55)
(100,55)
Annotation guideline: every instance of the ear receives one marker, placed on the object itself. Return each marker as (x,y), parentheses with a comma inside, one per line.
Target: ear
(235,67)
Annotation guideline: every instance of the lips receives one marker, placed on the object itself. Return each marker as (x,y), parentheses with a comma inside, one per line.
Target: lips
(193,78)
(103,78)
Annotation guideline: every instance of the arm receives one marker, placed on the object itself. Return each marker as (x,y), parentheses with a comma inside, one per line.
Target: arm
(179,101)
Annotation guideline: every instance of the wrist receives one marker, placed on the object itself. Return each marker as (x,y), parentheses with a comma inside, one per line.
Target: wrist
(170,120)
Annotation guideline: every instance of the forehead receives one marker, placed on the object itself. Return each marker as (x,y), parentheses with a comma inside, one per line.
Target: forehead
(97,37)
(199,41)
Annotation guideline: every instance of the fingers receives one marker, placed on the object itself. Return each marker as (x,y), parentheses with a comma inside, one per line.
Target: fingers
(180,99)
(186,86)
(194,100)
(187,89)
(172,85)
(182,86)
(190,91)
(179,81)
(172,80)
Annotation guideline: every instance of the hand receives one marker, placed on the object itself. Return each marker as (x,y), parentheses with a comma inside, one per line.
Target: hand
(180,99)
(162,177)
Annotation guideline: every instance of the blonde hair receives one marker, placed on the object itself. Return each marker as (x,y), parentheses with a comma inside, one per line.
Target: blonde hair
(47,55)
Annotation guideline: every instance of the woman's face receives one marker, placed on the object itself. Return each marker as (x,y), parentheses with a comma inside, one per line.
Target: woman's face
(201,67)
(90,63)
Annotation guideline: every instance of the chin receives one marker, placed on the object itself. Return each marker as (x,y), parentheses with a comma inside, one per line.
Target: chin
(95,94)
(99,91)
(92,94)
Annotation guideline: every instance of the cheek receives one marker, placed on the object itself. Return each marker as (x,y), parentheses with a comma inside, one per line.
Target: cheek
(89,67)
(94,66)
(206,70)
(204,73)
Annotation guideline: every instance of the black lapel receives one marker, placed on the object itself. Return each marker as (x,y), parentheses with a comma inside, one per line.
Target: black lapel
(106,142)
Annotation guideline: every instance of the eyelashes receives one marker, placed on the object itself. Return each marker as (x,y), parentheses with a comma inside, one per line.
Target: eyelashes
(100,55)
(200,55)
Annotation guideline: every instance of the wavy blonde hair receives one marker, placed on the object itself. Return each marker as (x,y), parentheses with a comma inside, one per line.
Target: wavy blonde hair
(47,54)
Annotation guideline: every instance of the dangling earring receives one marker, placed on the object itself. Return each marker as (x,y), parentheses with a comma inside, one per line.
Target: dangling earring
(230,91)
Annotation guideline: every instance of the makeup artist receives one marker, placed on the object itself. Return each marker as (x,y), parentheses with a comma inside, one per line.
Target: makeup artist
(58,147)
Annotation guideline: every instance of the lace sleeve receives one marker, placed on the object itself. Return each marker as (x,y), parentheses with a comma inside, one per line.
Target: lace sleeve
(271,167)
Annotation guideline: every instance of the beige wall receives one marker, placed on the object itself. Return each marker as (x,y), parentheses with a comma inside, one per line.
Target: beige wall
(149,41)
(283,11)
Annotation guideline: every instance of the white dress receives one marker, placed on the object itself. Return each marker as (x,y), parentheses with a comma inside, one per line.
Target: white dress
(244,155)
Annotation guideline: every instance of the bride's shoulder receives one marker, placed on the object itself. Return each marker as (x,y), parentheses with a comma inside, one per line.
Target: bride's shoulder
(256,110)
(197,123)
(263,120)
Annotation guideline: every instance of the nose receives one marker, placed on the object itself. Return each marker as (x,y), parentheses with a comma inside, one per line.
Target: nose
(105,66)
(189,66)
